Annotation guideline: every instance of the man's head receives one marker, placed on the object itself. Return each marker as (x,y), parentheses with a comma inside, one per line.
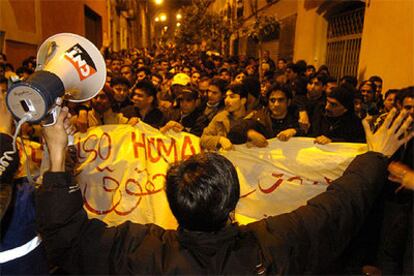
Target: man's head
(187,99)
(144,95)
(156,79)
(240,77)
(225,74)
(164,65)
(116,65)
(377,80)
(389,99)
(405,100)
(330,84)
(102,101)
(235,98)
(292,71)
(310,70)
(339,102)
(281,64)
(202,191)
(316,86)
(278,100)
(126,72)
(143,73)
(120,85)
(215,92)
(368,90)
(195,78)
(203,85)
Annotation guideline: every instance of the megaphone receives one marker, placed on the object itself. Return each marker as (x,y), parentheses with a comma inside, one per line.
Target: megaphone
(68,66)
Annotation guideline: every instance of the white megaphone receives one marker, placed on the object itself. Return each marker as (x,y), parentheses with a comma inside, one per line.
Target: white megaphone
(68,66)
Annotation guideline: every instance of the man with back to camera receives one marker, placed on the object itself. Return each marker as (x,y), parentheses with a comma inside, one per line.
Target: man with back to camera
(203,192)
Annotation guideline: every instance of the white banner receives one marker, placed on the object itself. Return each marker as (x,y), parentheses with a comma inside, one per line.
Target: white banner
(122,172)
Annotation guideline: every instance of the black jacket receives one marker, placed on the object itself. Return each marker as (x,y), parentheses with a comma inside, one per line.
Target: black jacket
(154,117)
(345,128)
(303,241)
(262,122)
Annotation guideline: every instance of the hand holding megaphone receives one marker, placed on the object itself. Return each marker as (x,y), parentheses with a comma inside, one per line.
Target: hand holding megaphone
(56,137)
(69,66)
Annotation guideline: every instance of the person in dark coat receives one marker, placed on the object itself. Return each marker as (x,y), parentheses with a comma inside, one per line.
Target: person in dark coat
(144,99)
(203,192)
(184,117)
(278,119)
(337,122)
(21,249)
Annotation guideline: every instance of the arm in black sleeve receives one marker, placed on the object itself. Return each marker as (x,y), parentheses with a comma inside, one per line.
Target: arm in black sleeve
(310,238)
(87,246)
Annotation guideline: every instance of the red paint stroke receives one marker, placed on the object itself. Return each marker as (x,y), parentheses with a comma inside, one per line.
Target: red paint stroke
(274,186)
(249,193)
(296,178)
(105,186)
(95,211)
(104,169)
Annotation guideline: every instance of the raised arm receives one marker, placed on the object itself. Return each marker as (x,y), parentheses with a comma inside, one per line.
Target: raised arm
(310,238)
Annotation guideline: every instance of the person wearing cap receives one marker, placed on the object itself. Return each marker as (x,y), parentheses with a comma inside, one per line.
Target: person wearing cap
(184,116)
(338,122)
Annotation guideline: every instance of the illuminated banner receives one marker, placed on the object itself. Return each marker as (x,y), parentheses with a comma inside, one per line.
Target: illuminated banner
(122,172)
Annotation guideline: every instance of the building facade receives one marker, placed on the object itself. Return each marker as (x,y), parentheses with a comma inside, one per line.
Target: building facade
(360,38)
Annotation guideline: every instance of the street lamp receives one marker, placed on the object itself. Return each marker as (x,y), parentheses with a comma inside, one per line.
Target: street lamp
(163,17)
(179,16)
(159,2)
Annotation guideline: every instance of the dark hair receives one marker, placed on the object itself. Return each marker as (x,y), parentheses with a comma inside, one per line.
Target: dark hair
(202,191)
(323,68)
(375,79)
(22,70)
(350,79)
(301,64)
(144,69)
(158,76)
(120,80)
(279,87)
(238,89)
(294,67)
(252,85)
(323,78)
(220,84)
(282,59)
(407,92)
(370,83)
(389,92)
(148,88)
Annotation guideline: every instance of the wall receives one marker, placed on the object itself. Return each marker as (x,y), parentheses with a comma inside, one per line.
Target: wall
(22,26)
(311,35)
(387,47)
(28,23)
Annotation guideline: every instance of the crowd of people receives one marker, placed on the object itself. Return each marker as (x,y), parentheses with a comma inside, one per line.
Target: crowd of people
(237,100)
